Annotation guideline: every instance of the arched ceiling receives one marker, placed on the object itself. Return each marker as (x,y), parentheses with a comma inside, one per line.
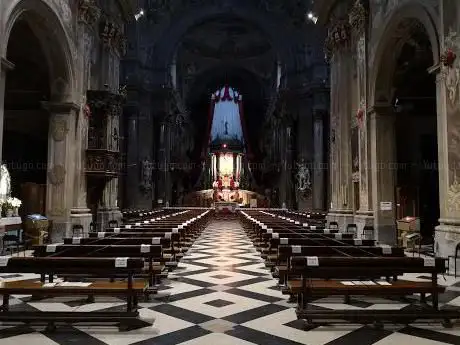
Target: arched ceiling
(226,38)
(220,46)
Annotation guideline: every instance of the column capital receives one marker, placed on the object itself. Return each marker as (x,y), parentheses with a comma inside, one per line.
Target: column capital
(60,107)
(6,65)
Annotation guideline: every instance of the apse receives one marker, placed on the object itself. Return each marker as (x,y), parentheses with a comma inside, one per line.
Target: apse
(227,111)
(226,50)
(252,107)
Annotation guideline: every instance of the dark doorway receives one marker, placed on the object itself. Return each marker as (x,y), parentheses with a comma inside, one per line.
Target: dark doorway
(417,181)
(26,123)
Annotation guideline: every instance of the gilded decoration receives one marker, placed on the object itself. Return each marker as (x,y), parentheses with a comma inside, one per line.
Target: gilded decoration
(338,36)
(59,129)
(357,17)
(88,12)
(112,36)
(57,174)
(451,72)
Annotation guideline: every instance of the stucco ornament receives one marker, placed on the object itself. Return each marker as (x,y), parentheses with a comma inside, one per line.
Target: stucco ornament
(146,174)
(453,196)
(303,177)
(59,129)
(451,73)
(57,174)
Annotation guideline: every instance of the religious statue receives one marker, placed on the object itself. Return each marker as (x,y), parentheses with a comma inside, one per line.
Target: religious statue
(146,174)
(303,177)
(5,182)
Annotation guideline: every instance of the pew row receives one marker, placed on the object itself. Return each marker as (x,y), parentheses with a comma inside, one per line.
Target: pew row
(91,267)
(329,276)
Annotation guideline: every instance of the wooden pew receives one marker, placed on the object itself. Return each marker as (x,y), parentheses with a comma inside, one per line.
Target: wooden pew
(97,267)
(152,254)
(323,276)
(286,252)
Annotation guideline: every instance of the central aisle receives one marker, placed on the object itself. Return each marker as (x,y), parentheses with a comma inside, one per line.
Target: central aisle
(221,294)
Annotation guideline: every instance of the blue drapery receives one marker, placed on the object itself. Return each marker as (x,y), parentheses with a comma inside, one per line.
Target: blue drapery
(226,121)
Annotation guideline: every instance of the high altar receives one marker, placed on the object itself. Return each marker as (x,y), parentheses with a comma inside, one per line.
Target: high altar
(226,145)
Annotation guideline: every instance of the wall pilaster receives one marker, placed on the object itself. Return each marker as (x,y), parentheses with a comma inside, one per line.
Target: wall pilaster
(338,46)
(358,19)
(88,15)
(447,234)
(319,170)
(61,166)
(383,148)
(132,158)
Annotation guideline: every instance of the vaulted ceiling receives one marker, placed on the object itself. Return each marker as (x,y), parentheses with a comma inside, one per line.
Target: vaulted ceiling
(227,39)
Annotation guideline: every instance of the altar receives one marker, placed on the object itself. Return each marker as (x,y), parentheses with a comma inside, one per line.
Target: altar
(225,207)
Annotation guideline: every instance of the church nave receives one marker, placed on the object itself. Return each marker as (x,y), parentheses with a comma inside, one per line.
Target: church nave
(221,293)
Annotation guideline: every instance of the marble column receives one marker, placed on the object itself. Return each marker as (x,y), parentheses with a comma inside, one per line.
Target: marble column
(5,66)
(318,171)
(364,215)
(289,165)
(61,166)
(304,149)
(447,233)
(168,177)
(340,157)
(132,160)
(383,150)
(164,188)
(286,183)
(80,213)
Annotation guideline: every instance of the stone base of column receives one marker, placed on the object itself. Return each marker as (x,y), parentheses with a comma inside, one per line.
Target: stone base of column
(446,237)
(342,217)
(105,215)
(363,218)
(385,232)
(81,216)
(60,230)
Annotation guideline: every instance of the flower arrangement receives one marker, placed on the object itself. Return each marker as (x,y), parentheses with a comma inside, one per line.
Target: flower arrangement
(10,206)
(13,203)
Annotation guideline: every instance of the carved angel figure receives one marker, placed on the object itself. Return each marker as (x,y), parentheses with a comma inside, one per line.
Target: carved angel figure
(303,177)
(146,174)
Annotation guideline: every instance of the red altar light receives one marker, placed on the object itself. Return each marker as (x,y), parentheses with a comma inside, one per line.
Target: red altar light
(224,146)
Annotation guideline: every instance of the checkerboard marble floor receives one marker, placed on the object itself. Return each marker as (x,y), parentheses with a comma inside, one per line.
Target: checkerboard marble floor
(222,294)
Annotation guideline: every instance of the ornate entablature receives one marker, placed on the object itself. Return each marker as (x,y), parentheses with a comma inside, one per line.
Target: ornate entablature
(88,12)
(112,35)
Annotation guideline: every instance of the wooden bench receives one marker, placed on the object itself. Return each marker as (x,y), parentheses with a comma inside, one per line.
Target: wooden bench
(152,254)
(97,267)
(323,276)
(286,252)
